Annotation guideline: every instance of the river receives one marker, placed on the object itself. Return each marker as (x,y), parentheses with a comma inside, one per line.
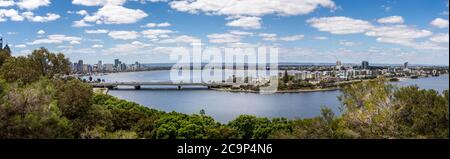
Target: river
(225,106)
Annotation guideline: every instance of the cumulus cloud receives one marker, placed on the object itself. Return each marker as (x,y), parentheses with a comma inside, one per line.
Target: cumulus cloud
(10,14)
(112,14)
(21,46)
(32,4)
(97,46)
(124,35)
(241,33)
(98,31)
(36,18)
(440,38)
(292,38)
(223,38)
(340,25)
(56,39)
(80,23)
(440,23)
(251,7)
(156,33)
(246,22)
(181,39)
(154,25)
(269,36)
(391,20)
(250,11)
(6,3)
(399,34)
(40,32)
(98,2)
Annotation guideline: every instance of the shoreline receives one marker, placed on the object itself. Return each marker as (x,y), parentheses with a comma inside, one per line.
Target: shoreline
(279,91)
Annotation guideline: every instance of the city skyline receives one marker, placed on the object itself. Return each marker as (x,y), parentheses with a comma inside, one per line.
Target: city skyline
(320,31)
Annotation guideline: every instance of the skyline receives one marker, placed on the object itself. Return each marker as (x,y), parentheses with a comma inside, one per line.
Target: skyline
(317,31)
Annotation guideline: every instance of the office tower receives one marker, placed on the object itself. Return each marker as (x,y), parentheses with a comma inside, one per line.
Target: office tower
(365,65)
(80,66)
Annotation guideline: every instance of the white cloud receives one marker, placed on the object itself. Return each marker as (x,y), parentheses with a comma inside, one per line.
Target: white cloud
(21,46)
(320,38)
(250,11)
(394,34)
(47,18)
(398,32)
(32,4)
(6,3)
(80,23)
(241,33)
(440,38)
(269,36)
(154,25)
(98,2)
(156,33)
(181,39)
(111,14)
(10,14)
(98,31)
(82,12)
(347,43)
(292,38)
(246,22)
(340,25)
(56,39)
(223,38)
(124,35)
(440,23)
(166,24)
(40,32)
(135,47)
(97,46)
(391,20)
(251,7)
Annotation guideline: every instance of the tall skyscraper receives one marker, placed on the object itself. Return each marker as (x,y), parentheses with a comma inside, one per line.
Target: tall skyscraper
(100,66)
(365,65)
(1,43)
(116,63)
(405,65)
(80,66)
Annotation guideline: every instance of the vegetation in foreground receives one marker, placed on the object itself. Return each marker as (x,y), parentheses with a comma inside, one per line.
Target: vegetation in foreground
(37,102)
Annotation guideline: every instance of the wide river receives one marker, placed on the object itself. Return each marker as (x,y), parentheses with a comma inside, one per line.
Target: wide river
(225,106)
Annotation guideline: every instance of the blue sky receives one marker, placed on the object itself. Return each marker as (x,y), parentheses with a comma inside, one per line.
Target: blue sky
(380,31)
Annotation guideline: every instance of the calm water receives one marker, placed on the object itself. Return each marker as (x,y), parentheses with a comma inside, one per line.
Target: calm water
(225,106)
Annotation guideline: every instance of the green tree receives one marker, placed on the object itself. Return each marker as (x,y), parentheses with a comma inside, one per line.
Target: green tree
(19,69)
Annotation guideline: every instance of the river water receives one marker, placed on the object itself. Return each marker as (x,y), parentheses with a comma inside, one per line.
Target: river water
(225,106)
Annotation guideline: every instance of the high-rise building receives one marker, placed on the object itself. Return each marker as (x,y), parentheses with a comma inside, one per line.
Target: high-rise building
(338,65)
(100,66)
(365,65)
(80,66)
(405,65)
(1,43)
(116,63)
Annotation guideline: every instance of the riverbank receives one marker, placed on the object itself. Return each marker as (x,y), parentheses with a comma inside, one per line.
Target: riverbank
(278,91)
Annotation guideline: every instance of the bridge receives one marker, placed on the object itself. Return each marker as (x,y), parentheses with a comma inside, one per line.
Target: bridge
(138,85)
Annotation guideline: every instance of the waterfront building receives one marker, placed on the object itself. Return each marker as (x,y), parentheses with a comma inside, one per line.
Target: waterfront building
(109,67)
(80,66)
(99,66)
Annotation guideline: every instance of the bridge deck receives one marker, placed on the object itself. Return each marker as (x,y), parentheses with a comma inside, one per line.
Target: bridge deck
(115,84)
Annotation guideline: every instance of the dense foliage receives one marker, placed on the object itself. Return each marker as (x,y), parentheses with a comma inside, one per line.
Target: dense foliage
(37,102)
